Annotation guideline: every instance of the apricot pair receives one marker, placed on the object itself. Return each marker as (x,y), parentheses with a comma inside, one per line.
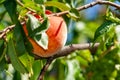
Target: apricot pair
(57,35)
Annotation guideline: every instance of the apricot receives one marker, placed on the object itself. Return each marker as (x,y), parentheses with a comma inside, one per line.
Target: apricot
(57,35)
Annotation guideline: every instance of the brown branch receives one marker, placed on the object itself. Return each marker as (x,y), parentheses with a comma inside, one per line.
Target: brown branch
(64,52)
(71,48)
(45,67)
(19,2)
(5,31)
(100,2)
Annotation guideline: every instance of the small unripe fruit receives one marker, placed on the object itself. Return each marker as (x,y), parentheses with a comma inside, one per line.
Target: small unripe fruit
(57,35)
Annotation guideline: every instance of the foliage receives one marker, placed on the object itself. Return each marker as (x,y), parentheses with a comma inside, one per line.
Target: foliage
(103,27)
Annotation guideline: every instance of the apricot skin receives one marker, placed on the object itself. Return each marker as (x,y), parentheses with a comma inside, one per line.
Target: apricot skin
(57,35)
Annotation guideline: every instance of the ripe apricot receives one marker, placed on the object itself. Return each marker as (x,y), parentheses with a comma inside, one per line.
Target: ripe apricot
(57,35)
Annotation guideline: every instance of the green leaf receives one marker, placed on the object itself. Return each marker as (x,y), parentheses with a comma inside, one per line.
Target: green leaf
(32,24)
(36,69)
(2,55)
(104,28)
(27,61)
(2,46)
(3,65)
(43,42)
(1,1)
(10,6)
(42,28)
(117,31)
(59,5)
(41,37)
(2,26)
(33,6)
(13,57)
(39,1)
(23,12)
(19,40)
(37,30)
(17,76)
(21,50)
(111,17)
(73,70)
(74,14)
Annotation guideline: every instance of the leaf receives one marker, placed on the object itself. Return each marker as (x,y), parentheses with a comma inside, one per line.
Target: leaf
(117,31)
(39,1)
(2,26)
(59,5)
(2,46)
(19,40)
(104,28)
(33,5)
(41,37)
(74,14)
(43,27)
(37,31)
(16,76)
(73,70)
(1,1)
(36,69)
(13,57)
(110,16)
(23,12)
(43,42)
(27,61)
(10,6)
(32,24)
(3,63)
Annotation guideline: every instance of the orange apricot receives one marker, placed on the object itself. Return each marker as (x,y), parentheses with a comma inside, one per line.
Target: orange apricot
(57,35)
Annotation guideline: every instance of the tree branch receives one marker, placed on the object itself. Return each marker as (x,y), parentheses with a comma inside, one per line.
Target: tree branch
(71,48)
(100,2)
(64,52)
(19,2)
(5,31)
(45,67)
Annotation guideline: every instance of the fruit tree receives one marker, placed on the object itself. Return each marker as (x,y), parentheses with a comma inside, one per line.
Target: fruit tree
(59,39)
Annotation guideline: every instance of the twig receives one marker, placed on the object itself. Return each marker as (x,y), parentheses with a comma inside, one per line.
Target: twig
(5,31)
(18,1)
(107,51)
(100,2)
(45,67)
(64,52)
(71,48)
